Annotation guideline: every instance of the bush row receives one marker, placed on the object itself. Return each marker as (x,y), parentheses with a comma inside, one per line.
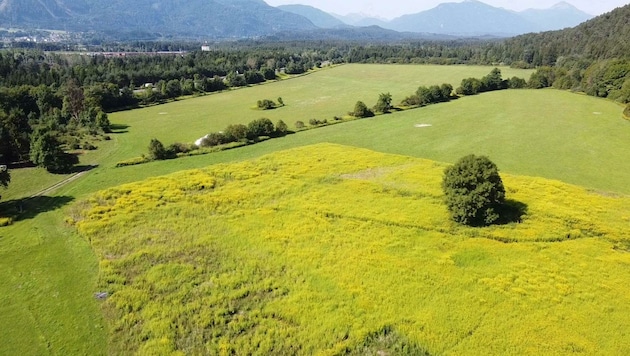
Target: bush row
(233,136)
(490,82)
(253,131)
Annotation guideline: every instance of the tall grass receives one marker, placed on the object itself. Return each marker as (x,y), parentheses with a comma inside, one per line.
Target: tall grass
(317,249)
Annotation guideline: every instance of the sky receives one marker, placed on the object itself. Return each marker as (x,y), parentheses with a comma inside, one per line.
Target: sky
(393,8)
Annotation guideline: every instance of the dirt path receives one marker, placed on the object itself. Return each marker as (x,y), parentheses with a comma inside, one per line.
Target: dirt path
(58,185)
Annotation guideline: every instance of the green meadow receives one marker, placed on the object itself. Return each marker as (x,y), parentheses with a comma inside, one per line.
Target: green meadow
(50,273)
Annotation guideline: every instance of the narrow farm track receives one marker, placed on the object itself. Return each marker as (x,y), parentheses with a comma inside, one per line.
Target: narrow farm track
(60,184)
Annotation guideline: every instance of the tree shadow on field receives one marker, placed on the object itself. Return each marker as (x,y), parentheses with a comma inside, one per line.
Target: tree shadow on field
(83,168)
(511,211)
(29,208)
(118,128)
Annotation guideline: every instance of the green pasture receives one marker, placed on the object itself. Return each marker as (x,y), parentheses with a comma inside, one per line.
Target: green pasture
(547,133)
(48,273)
(321,95)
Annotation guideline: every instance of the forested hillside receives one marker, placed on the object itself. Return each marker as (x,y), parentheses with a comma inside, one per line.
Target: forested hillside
(167,18)
(593,57)
(604,37)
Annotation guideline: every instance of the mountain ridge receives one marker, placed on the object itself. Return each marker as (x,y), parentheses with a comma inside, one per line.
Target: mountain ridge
(211,18)
(229,19)
(318,17)
(453,18)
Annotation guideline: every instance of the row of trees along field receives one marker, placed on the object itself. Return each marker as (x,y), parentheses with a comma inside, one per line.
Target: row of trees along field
(256,130)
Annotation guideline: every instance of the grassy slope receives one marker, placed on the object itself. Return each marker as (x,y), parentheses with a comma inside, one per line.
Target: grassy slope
(310,250)
(321,95)
(546,133)
(46,236)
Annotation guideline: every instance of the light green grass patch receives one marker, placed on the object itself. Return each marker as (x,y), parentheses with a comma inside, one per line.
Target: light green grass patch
(321,95)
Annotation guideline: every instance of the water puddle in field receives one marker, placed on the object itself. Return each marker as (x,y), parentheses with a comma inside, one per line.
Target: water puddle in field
(422,125)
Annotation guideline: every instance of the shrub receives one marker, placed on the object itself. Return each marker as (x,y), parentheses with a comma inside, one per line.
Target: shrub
(157,150)
(542,78)
(133,162)
(235,132)
(178,147)
(384,103)
(474,191)
(413,100)
(493,81)
(88,146)
(268,73)
(627,111)
(446,91)
(299,125)
(266,104)
(470,86)
(260,127)
(361,110)
(281,128)
(517,83)
(74,143)
(252,77)
(214,139)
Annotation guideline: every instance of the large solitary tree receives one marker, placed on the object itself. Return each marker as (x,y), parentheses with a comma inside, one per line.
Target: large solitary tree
(474,191)
(46,152)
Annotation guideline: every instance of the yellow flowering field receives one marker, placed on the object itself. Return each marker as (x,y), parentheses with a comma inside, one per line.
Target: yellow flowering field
(330,250)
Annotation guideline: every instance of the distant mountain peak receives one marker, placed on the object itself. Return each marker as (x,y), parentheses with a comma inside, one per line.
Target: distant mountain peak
(563,5)
(476,18)
(318,17)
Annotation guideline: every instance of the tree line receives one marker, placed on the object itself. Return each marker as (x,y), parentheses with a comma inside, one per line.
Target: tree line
(39,124)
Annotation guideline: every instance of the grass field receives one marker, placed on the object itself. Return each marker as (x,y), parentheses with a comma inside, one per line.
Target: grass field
(311,250)
(49,273)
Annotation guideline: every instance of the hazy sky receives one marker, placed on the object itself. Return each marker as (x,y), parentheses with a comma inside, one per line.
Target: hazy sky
(394,8)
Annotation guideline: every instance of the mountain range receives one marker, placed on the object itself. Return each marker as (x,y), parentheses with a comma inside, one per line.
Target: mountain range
(223,19)
(211,18)
(467,18)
